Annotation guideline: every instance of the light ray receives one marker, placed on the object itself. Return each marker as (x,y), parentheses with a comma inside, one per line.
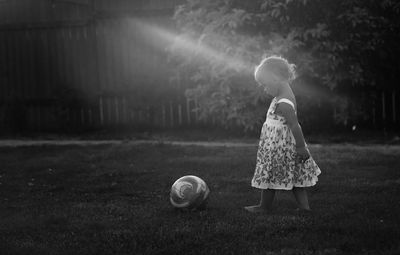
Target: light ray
(185,44)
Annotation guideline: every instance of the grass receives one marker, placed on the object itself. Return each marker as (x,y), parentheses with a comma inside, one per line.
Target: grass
(114,200)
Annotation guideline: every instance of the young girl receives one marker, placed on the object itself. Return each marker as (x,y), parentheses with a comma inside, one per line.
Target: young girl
(283,159)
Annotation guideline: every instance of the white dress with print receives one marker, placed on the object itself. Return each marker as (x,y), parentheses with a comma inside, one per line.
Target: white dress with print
(276,167)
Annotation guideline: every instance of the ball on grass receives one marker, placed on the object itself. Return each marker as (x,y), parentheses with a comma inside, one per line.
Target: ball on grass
(189,192)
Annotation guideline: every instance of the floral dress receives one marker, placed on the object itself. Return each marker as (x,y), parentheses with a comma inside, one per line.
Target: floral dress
(276,167)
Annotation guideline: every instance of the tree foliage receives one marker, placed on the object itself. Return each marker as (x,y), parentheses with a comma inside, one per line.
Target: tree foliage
(336,44)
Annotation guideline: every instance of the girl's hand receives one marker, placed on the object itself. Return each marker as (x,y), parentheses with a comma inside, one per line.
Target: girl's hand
(302,154)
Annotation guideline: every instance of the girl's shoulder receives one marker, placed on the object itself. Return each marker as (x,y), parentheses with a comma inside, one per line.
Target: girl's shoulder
(287,99)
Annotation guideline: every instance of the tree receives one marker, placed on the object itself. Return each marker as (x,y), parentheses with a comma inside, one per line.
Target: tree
(335,44)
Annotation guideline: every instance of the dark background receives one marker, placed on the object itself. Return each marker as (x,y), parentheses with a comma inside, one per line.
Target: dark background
(79,66)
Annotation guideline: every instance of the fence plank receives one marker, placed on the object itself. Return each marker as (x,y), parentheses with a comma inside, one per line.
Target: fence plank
(68,71)
(59,58)
(196,114)
(163,116)
(123,110)
(188,111)
(108,56)
(32,63)
(98,45)
(24,65)
(116,106)
(3,67)
(10,66)
(38,117)
(17,61)
(383,106)
(119,37)
(180,114)
(171,114)
(80,60)
(73,62)
(109,111)
(114,61)
(47,63)
(394,106)
(52,48)
(83,122)
(101,111)
(90,117)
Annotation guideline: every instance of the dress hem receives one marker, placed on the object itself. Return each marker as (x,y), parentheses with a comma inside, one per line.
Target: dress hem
(283,187)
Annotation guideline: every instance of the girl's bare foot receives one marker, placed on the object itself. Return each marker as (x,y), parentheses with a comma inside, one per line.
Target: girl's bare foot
(256,209)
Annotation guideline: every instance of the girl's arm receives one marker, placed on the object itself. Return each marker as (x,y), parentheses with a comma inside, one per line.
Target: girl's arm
(287,111)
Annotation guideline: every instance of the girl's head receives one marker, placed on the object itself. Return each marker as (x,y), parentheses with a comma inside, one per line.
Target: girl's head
(272,72)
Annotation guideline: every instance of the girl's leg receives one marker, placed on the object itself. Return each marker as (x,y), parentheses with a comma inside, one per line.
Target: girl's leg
(301,197)
(267,198)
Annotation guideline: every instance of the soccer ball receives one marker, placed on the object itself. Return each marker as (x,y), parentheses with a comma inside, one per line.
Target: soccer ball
(189,192)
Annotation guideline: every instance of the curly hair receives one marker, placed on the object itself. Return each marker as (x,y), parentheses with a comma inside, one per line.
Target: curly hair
(278,66)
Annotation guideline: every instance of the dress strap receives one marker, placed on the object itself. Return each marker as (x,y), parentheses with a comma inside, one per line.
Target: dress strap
(285,100)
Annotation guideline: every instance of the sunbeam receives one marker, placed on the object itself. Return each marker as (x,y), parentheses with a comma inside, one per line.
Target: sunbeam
(184,44)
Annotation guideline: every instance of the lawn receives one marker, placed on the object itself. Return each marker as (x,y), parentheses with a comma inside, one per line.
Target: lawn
(114,199)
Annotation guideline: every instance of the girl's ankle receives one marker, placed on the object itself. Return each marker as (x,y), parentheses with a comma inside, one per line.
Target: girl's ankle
(266,207)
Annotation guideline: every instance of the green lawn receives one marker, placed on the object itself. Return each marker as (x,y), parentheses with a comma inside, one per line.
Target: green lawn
(114,200)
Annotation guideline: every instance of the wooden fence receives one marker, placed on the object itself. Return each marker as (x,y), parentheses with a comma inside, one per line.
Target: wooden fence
(114,111)
(110,112)
(103,73)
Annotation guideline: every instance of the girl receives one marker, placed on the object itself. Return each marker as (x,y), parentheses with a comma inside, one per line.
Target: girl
(283,159)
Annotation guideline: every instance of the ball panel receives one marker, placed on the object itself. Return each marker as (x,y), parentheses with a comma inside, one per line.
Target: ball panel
(182,188)
(184,204)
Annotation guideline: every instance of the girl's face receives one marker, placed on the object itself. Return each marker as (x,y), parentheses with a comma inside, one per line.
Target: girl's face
(269,82)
